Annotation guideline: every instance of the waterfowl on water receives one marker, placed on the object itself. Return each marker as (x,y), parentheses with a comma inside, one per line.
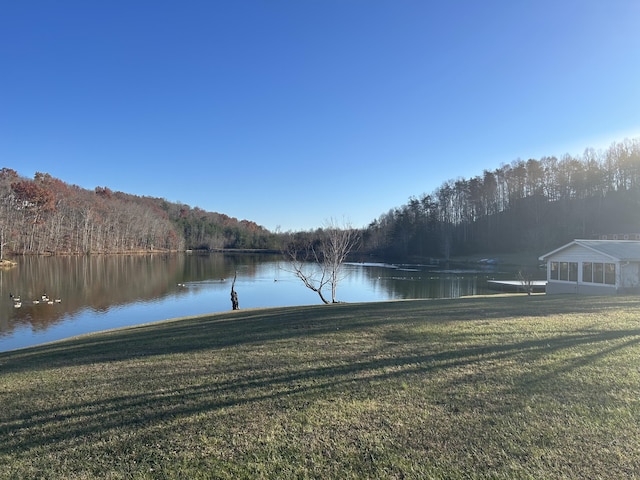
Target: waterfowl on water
(17,303)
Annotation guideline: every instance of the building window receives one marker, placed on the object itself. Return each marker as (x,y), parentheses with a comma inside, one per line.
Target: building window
(587,272)
(599,273)
(610,273)
(566,271)
(553,273)
(573,271)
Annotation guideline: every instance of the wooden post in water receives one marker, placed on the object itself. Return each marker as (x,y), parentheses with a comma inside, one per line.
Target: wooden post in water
(234,294)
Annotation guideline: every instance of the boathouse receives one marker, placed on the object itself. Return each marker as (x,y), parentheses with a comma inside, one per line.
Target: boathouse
(594,267)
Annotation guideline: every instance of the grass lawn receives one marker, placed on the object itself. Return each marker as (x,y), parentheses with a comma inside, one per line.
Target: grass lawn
(496,387)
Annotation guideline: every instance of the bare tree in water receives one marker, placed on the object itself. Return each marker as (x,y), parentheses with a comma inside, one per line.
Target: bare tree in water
(234,294)
(318,263)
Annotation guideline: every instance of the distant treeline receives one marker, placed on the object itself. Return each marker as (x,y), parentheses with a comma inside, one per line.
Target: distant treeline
(45,215)
(532,205)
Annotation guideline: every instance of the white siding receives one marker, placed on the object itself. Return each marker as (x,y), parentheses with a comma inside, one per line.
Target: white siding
(623,254)
(630,276)
(577,253)
(557,287)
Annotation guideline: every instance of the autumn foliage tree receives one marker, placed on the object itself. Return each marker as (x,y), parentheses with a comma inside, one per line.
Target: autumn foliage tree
(34,201)
(47,215)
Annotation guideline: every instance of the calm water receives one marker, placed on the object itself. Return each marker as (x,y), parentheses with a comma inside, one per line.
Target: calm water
(103,292)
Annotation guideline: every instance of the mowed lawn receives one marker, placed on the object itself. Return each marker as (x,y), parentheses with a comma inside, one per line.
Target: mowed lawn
(513,387)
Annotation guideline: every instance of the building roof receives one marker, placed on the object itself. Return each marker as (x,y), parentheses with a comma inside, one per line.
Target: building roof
(621,250)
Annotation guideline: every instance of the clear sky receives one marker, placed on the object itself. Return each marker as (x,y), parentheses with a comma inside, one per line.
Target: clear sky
(293,112)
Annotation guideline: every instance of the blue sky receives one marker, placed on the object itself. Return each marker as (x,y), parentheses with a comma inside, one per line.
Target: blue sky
(290,113)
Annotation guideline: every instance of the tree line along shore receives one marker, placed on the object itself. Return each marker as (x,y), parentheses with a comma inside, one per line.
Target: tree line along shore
(531,205)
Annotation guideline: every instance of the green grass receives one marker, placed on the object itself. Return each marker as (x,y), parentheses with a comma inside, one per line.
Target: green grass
(500,387)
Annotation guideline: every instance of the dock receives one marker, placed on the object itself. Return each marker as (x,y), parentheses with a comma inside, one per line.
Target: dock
(537,286)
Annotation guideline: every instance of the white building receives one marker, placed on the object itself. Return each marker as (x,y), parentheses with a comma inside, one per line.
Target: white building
(594,267)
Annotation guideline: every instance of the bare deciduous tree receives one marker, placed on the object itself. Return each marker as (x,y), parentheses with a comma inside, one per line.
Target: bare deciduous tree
(526,280)
(318,262)
(307,265)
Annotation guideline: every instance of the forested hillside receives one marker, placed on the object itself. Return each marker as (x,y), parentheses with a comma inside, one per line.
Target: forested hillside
(532,205)
(46,215)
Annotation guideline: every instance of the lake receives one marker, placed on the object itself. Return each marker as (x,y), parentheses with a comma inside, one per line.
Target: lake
(100,292)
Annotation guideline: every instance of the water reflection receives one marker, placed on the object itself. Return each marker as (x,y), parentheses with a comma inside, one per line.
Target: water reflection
(102,292)
(426,281)
(97,284)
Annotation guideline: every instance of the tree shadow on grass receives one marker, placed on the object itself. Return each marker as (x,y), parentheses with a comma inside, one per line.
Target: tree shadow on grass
(172,398)
(253,327)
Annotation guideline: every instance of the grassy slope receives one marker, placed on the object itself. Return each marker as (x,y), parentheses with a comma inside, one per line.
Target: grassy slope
(501,387)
